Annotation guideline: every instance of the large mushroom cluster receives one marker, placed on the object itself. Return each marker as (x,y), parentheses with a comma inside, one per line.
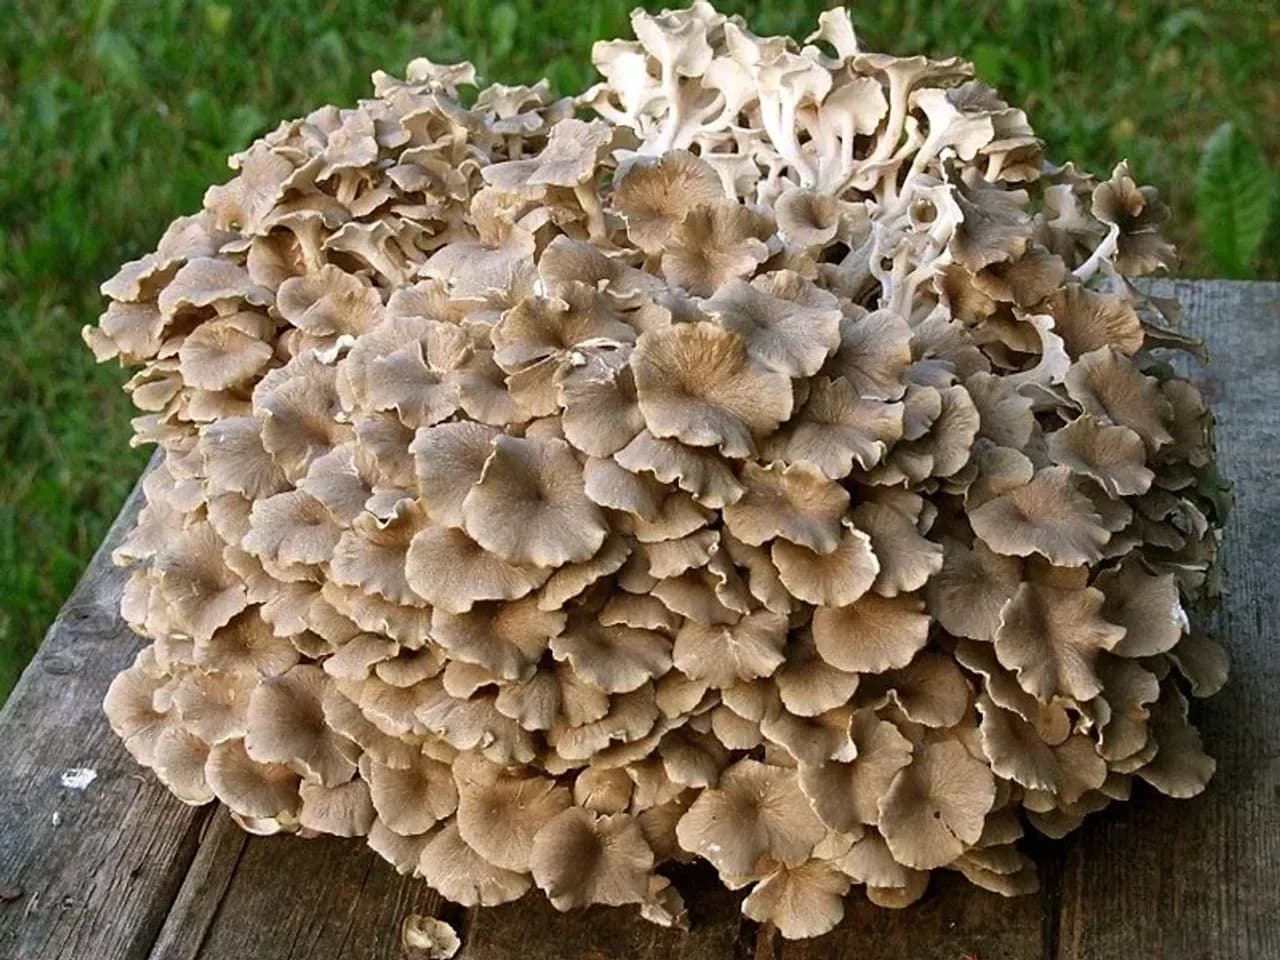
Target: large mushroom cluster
(763,457)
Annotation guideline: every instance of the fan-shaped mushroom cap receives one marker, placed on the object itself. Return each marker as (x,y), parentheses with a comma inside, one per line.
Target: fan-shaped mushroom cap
(1146,605)
(872,634)
(462,875)
(696,383)
(203,594)
(1108,386)
(529,506)
(1180,767)
(251,789)
(655,197)
(1051,636)
(451,571)
(807,217)
(286,725)
(935,806)
(130,706)
(507,638)
(616,659)
(836,429)
(498,815)
(845,795)
(756,816)
(796,503)
(1048,516)
(344,810)
(835,579)
(413,799)
(580,858)
(802,901)
(788,324)
(715,242)
(724,654)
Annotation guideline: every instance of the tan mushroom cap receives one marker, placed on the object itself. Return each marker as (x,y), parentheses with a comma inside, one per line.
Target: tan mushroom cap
(796,503)
(412,800)
(251,789)
(1051,636)
(755,817)
(936,805)
(802,901)
(580,858)
(344,810)
(499,815)
(836,429)
(722,654)
(787,323)
(835,579)
(715,242)
(846,795)
(459,873)
(872,634)
(529,506)
(1048,516)
(972,587)
(286,725)
(448,569)
(655,197)
(696,383)
(1146,604)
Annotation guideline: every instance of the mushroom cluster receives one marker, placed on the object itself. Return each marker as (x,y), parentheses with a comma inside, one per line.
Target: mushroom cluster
(763,457)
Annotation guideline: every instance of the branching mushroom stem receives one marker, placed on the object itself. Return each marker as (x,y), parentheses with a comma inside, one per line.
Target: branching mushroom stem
(778,115)
(898,92)
(675,111)
(1105,250)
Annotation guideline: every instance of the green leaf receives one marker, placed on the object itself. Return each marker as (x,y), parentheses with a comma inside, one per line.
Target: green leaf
(1233,199)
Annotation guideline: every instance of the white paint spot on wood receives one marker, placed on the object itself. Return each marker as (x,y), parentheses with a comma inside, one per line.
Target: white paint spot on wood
(78,778)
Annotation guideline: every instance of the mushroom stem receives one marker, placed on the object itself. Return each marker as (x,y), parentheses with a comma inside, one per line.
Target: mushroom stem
(1104,251)
(675,109)
(589,199)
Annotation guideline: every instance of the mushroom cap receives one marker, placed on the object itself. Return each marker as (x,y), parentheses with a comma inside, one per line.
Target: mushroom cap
(580,858)
(754,817)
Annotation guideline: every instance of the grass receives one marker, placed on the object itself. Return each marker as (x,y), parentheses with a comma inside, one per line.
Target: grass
(114,116)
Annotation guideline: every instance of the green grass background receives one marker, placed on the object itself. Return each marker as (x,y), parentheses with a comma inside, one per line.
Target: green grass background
(115,115)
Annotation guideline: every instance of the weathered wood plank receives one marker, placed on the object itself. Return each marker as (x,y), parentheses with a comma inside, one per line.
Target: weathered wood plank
(531,929)
(199,899)
(85,872)
(953,921)
(1199,879)
(291,899)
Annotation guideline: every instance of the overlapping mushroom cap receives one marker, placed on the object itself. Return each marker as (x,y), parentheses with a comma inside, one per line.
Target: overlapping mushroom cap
(777,467)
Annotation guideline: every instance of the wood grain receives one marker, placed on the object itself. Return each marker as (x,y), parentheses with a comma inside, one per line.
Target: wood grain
(292,899)
(1200,879)
(954,921)
(122,871)
(534,930)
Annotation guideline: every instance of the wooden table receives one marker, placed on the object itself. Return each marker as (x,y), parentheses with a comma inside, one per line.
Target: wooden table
(119,870)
